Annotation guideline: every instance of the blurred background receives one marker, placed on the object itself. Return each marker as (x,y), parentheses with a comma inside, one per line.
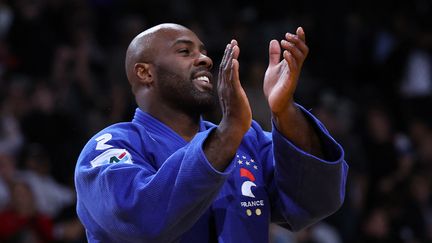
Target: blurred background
(368,78)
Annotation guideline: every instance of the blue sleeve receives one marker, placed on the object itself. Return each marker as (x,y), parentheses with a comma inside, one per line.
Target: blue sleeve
(132,202)
(304,188)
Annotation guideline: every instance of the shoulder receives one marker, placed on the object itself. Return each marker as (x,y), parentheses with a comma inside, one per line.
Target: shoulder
(118,134)
(116,143)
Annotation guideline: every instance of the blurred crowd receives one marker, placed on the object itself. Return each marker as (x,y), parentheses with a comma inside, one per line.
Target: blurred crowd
(368,78)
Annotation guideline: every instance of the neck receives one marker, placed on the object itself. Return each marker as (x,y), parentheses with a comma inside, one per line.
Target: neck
(183,123)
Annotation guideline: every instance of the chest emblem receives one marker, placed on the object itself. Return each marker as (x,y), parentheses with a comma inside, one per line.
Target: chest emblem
(246,188)
(247,173)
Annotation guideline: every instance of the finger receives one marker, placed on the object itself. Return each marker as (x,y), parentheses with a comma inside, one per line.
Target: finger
(234,42)
(235,77)
(292,67)
(292,63)
(225,56)
(228,66)
(274,52)
(298,42)
(298,55)
(235,55)
(223,61)
(236,51)
(229,58)
(301,34)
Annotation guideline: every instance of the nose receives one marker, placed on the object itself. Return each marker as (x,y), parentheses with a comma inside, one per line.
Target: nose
(204,60)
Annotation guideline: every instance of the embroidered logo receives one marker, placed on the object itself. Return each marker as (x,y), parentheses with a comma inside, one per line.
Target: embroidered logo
(248,167)
(112,156)
(246,187)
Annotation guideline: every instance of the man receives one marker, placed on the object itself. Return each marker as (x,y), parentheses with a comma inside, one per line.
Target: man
(169,176)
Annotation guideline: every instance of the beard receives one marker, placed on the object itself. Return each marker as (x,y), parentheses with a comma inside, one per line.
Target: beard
(180,92)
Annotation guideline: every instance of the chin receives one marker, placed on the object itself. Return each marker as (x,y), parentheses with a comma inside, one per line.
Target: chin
(201,104)
(205,106)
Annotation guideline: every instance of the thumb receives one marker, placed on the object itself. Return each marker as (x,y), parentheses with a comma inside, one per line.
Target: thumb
(274,52)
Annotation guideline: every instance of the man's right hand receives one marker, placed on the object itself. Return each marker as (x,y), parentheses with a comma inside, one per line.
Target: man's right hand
(222,144)
(236,112)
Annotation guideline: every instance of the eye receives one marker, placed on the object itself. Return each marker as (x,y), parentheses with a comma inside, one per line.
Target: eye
(184,51)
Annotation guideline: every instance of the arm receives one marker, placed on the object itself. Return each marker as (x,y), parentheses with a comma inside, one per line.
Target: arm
(307,188)
(131,201)
(307,185)
(222,144)
(280,82)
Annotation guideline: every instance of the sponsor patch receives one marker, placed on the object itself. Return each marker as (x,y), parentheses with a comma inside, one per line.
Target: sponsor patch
(112,156)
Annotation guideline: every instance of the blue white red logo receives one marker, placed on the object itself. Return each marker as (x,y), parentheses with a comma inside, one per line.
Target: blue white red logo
(248,168)
(246,187)
(112,156)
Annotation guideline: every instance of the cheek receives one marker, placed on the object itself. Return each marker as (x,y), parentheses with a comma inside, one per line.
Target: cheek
(173,84)
(175,69)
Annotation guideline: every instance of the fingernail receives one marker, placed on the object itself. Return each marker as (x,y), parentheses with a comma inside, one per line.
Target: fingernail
(299,30)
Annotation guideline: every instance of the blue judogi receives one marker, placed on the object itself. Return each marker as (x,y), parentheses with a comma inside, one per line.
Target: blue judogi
(140,181)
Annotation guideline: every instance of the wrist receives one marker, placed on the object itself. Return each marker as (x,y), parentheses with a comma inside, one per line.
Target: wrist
(230,135)
(221,147)
(286,115)
(234,128)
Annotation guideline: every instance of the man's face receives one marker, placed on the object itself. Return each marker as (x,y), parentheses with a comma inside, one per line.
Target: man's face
(182,71)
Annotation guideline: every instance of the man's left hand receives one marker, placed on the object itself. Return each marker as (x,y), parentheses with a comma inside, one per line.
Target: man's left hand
(281,77)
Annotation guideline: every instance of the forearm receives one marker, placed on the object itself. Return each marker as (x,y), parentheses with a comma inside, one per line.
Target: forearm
(221,146)
(294,125)
(173,197)
(305,179)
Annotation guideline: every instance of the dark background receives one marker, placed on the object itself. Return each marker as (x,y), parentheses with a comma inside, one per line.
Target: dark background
(368,77)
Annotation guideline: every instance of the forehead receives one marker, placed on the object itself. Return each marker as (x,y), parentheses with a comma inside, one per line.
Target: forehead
(170,36)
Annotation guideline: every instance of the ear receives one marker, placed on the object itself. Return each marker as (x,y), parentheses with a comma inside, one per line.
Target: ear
(143,72)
